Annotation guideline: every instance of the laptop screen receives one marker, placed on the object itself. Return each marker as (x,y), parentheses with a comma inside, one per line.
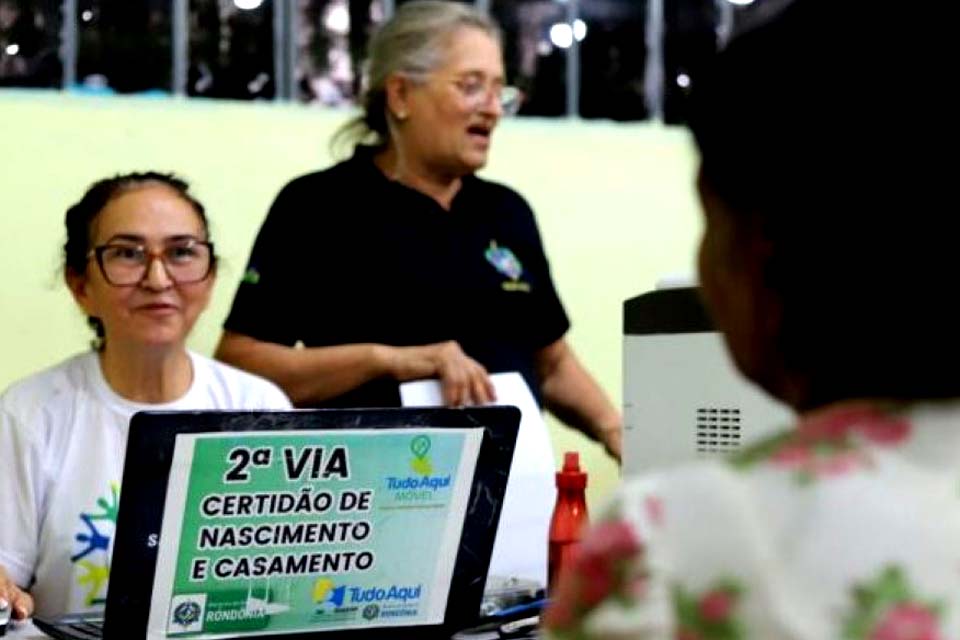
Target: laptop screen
(293,523)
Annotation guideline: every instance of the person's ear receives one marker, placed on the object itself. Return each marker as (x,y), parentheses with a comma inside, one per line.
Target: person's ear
(759,257)
(757,245)
(77,283)
(398,96)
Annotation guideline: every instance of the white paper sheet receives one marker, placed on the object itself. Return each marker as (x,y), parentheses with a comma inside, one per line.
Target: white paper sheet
(520,549)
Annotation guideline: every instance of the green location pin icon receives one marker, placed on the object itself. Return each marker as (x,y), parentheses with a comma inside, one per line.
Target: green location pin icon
(420,446)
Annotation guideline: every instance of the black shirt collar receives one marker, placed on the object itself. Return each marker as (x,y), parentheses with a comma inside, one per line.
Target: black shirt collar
(363,161)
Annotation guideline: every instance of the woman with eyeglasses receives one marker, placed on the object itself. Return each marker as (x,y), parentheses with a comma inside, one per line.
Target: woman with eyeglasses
(401,264)
(139,262)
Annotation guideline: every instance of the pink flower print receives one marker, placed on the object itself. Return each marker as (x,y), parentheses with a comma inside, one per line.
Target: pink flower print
(839,463)
(637,588)
(834,423)
(838,423)
(654,508)
(597,572)
(716,605)
(710,614)
(907,621)
(792,455)
(596,581)
(561,614)
(608,547)
(825,442)
(887,608)
(828,442)
(608,541)
(812,461)
(890,432)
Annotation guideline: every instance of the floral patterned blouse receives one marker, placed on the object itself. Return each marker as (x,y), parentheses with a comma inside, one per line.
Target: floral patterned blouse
(847,527)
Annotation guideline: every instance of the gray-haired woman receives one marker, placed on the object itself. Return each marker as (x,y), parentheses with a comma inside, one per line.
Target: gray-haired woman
(399,263)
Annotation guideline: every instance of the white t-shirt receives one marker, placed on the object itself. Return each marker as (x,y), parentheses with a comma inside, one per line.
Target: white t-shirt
(63,434)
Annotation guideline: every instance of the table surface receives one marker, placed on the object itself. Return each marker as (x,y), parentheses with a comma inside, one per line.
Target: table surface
(26,631)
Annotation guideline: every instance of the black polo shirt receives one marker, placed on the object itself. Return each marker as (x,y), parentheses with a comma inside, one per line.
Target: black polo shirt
(346,256)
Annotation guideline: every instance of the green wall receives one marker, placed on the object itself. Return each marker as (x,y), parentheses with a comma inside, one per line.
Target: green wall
(615,203)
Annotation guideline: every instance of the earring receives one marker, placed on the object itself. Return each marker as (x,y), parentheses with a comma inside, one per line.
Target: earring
(401,115)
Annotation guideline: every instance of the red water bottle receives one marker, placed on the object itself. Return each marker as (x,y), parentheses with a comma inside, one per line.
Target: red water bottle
(569,515)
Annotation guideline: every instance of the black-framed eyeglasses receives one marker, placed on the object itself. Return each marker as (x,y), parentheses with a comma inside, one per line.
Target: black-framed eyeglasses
(124,264)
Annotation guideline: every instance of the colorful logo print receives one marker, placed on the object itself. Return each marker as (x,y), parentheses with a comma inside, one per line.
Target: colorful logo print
(95,538)
(251,276)
(186,613)
(325,592)
(420,447)
(504,261)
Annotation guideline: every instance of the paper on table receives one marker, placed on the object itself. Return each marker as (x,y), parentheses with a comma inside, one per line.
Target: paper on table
(25,631)
(520,549)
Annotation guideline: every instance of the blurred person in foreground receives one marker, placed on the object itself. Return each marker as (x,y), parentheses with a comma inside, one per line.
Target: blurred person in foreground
(827,261)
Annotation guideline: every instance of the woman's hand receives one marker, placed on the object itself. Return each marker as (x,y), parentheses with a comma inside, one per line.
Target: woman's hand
(463,380)
(20,602)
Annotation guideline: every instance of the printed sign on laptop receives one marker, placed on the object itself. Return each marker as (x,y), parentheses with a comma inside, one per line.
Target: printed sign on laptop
(270,532)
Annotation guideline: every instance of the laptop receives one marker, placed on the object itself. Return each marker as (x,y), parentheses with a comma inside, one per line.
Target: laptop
(372,524)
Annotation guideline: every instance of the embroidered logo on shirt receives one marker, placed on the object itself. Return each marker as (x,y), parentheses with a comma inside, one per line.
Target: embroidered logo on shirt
(251,276)
(94,557)
(504,261)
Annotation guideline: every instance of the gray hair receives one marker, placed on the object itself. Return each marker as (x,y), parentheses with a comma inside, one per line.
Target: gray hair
(413,43)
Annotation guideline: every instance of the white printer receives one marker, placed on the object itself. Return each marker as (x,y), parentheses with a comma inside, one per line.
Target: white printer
(683,398)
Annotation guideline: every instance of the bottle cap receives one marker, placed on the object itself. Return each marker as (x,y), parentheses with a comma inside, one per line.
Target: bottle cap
(571,477)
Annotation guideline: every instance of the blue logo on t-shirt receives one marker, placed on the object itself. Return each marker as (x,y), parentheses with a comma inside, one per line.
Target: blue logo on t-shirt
(94,555)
